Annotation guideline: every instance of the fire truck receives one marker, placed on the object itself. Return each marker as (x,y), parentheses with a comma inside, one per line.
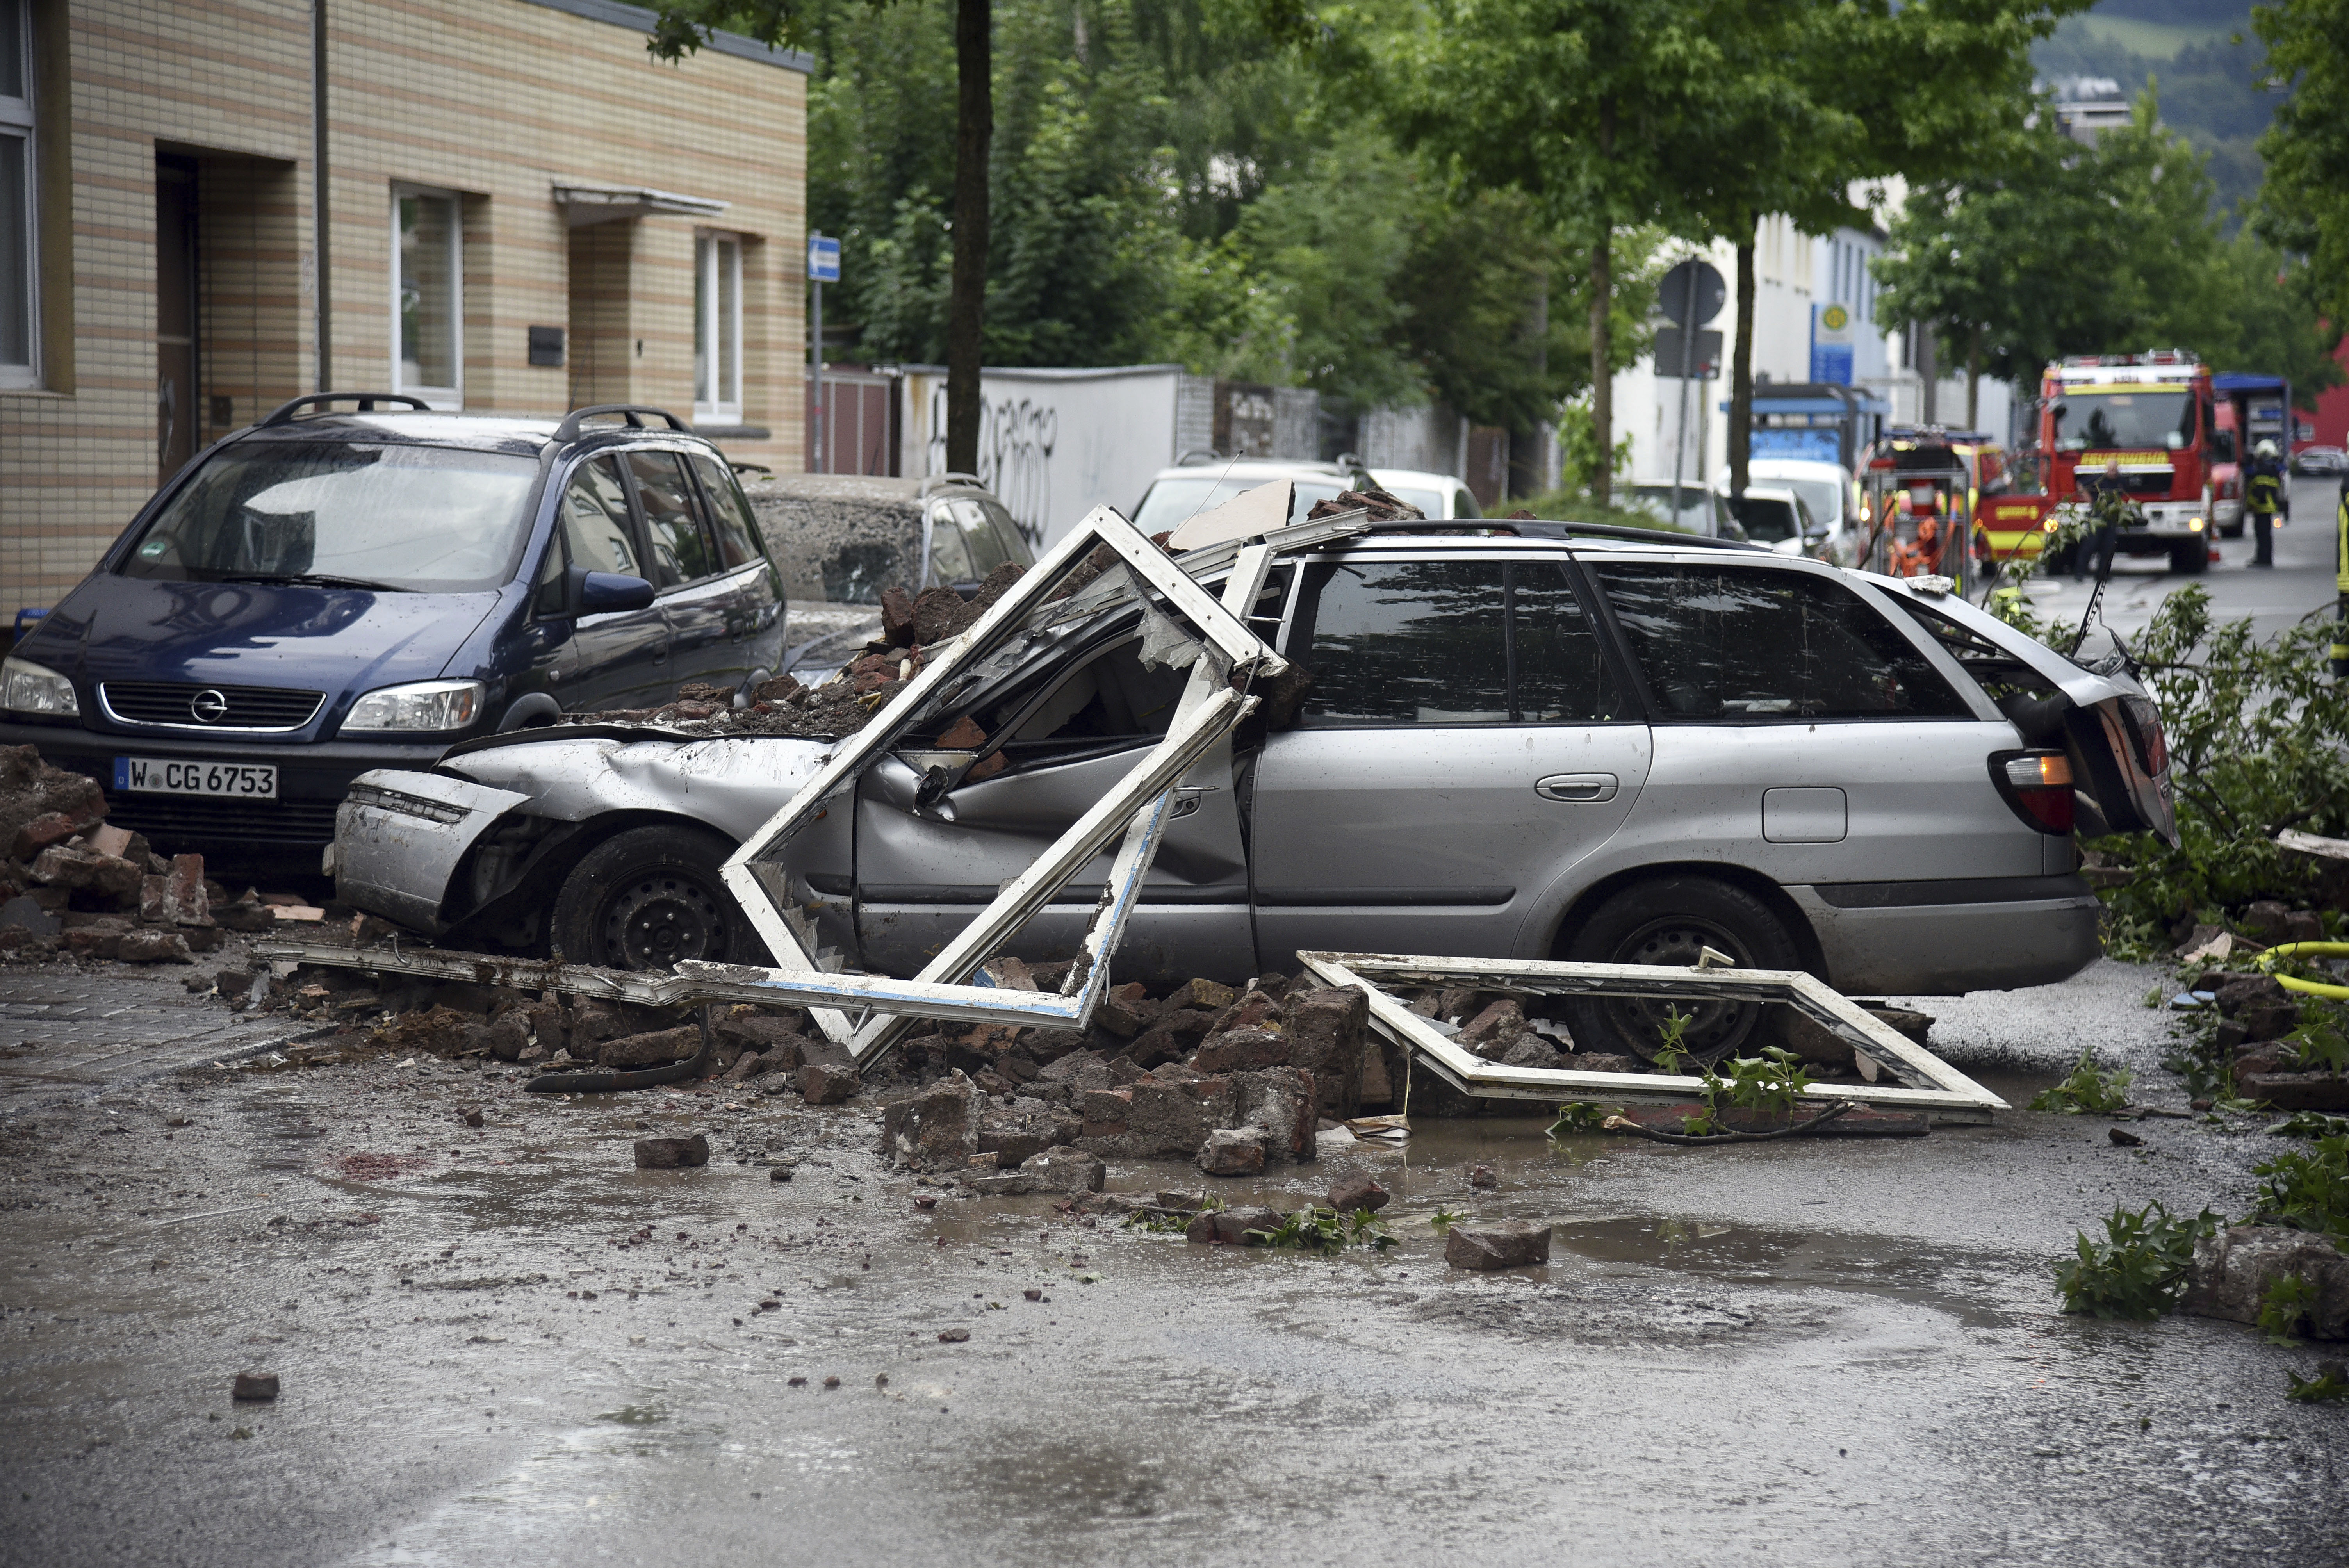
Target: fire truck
(2152,413)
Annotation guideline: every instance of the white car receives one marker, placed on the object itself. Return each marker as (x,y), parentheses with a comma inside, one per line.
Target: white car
(1777,518)
(1441,497)
(1201,482)
(1697,510)
(1825,488)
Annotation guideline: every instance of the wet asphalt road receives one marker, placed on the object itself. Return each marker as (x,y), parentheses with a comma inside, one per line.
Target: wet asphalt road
(2302,581)
(1788,1353)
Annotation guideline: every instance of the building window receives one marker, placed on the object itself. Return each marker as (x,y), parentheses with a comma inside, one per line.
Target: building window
(19,303)
(427,315)
(718,328)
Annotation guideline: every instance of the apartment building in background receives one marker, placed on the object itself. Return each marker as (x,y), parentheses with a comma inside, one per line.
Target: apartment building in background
(525,212)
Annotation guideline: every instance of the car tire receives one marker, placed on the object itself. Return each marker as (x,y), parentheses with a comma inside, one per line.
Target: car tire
(648,897)
(2190,559)
(1667,920)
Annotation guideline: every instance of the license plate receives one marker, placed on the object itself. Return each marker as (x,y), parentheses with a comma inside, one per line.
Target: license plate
(158,776)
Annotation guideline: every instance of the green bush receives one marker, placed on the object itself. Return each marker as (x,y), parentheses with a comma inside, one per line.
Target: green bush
(2139,1270)
(2255,745)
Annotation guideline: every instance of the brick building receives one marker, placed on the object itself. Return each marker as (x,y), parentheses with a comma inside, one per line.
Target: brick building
(525,212)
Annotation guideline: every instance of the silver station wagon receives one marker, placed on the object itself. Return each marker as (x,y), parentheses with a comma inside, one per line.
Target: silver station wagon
(1545,741)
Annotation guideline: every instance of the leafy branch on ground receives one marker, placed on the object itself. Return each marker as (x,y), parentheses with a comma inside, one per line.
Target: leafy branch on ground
(1579,1116)
(2285,1307)
(2089,1089)
(2307,1189)
(1770,1083)
(1322,1230)
(1672,1054)
(1444,1219)
(2311,1124)
(2328,1383)
(2139,1271)
(2254,732)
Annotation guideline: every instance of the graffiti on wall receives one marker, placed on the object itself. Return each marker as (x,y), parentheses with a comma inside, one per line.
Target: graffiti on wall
(1015,438)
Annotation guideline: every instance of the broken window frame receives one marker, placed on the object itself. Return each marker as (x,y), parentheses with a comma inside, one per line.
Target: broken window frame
(1949,1095)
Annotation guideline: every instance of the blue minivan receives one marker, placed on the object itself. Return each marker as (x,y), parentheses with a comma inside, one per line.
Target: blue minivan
(325,593)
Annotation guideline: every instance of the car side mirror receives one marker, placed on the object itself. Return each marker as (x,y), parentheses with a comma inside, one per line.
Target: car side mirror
(601,593)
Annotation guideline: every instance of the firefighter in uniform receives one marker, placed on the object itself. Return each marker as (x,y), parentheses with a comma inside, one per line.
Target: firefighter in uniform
(2108,511)
(2263,498)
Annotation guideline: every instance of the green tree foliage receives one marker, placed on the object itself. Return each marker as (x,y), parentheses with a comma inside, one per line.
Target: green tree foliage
(2061,248)
(2305,206)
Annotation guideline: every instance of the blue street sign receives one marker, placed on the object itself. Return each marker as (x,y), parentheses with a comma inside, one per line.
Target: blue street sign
(824,259)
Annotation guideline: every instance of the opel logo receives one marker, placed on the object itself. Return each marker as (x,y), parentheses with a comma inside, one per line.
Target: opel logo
(209,706)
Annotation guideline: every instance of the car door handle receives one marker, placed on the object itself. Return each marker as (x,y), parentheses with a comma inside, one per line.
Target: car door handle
(1578,787)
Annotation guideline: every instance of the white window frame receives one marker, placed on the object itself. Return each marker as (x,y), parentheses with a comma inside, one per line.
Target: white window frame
(452,396)
(17,125)
(718,260)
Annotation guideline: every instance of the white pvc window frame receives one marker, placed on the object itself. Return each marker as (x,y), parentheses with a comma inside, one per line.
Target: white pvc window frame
(1927,1083)
(452,395)
(717,327)
(20,314)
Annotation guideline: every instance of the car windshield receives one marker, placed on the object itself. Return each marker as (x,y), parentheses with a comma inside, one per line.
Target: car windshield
(401,518)
(2101,421)
(1172,502)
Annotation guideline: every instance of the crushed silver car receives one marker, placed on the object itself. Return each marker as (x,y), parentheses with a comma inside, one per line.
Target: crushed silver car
(1547,741)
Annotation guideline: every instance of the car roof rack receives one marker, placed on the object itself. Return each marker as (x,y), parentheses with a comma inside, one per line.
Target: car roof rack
(283,413)
(632,412)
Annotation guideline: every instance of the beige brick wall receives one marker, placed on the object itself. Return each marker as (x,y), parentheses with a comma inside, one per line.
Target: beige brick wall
(494,99)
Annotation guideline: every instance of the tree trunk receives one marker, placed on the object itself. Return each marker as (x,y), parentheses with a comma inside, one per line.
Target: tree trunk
(1741,374)
(1928,371)
(1973,379)
(966,302)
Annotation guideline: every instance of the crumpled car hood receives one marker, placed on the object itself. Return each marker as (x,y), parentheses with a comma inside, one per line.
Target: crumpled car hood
(733,783)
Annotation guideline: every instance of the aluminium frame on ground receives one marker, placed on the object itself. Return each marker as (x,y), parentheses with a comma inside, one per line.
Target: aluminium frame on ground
(1946,1095)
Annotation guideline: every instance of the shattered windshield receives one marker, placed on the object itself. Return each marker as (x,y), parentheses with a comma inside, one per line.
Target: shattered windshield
(407,519)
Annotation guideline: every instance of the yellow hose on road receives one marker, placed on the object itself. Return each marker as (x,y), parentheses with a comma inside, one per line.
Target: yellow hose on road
(2314,950)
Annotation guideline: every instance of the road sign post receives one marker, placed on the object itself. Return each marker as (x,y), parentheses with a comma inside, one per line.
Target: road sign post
(823,267)
(1691,294)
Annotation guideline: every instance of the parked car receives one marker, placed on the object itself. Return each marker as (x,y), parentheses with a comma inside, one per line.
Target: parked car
(2312,460)
(1618,748)
(839,540)
(326,592)
(1441,496)
(1776,517)
(1825,488)
(1202,481)
(1692,508)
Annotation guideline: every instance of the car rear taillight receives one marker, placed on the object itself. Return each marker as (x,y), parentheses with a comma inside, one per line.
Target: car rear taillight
(2038,785)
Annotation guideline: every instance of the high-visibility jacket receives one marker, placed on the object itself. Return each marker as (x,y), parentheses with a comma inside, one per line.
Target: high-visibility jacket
(2265,492)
